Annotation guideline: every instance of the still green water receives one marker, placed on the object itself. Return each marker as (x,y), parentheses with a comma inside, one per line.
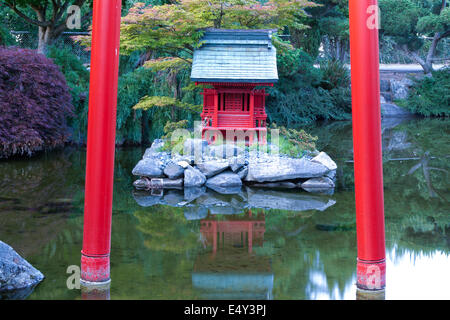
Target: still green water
(161,252)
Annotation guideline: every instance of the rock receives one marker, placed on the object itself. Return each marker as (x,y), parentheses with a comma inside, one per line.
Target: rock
(225,151)
(243,173)
(325,160)
(211,168)
(15,272)
(195,213)
(236,163)
(195,147)
(331,174)
(158,183)
(193,177)
(392,110)
(271,199)
(173,170)
(183,164)
(225,183)
(284,169)
(142,184)
(154,149)
(385,85)
(318,183)
(400,88)
(149,167)
(225,180)
(192,193)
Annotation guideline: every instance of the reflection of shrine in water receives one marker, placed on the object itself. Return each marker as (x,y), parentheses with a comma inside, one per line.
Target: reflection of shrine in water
(230,269)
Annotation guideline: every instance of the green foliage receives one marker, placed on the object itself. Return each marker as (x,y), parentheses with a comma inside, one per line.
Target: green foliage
(77,78)
(417,27)
(305,94)
(5,37)
(132,87)
(295,143)
(170,143)
(147,103)
(328,24)
(430,96)
(143,100)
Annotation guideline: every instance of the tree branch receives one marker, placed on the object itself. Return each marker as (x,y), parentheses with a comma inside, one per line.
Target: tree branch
(25,17)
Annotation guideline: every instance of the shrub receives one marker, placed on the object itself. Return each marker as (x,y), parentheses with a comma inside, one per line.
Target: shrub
(77,78)
(430,96)
(5,37)
(172,144)
(295,143)
(305,94)
(34,103)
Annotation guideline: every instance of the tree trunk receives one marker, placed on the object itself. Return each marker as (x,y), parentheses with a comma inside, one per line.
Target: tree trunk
(44,37)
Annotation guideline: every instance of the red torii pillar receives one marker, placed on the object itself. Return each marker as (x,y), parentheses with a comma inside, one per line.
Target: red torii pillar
(368,164)
(366,131)
(101,142)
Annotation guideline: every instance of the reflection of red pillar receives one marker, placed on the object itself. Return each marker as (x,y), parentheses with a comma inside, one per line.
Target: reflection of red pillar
(367,144)
(101,141)
(250,237)
(214,234)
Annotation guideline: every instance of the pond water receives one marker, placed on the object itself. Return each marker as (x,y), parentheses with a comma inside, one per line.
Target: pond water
(306,251)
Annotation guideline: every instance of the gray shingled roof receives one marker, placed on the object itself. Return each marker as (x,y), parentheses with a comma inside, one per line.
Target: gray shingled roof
(235,56)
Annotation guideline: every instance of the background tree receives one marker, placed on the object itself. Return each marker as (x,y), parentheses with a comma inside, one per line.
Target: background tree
(50,16)
(412,23)
(327,25)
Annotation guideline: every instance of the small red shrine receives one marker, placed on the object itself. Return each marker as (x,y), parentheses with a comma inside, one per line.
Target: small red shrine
(236,65)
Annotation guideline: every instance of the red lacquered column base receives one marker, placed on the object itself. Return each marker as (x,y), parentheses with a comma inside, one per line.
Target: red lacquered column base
(95,270)
(371,275)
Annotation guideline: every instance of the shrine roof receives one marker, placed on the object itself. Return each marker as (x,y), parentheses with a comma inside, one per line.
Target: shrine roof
(235,56)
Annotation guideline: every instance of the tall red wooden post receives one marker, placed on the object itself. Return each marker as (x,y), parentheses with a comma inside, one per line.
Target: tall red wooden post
(371,265)
(101,142)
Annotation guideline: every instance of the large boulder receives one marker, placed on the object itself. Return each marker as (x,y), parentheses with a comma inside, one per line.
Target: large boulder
(281,169)
(193,177)
(318,183)
(242,173)
(226,183)
(325,160)
(149,167)
(174,170)
(224,179)
(15,272)
(212,167)
(236,163)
